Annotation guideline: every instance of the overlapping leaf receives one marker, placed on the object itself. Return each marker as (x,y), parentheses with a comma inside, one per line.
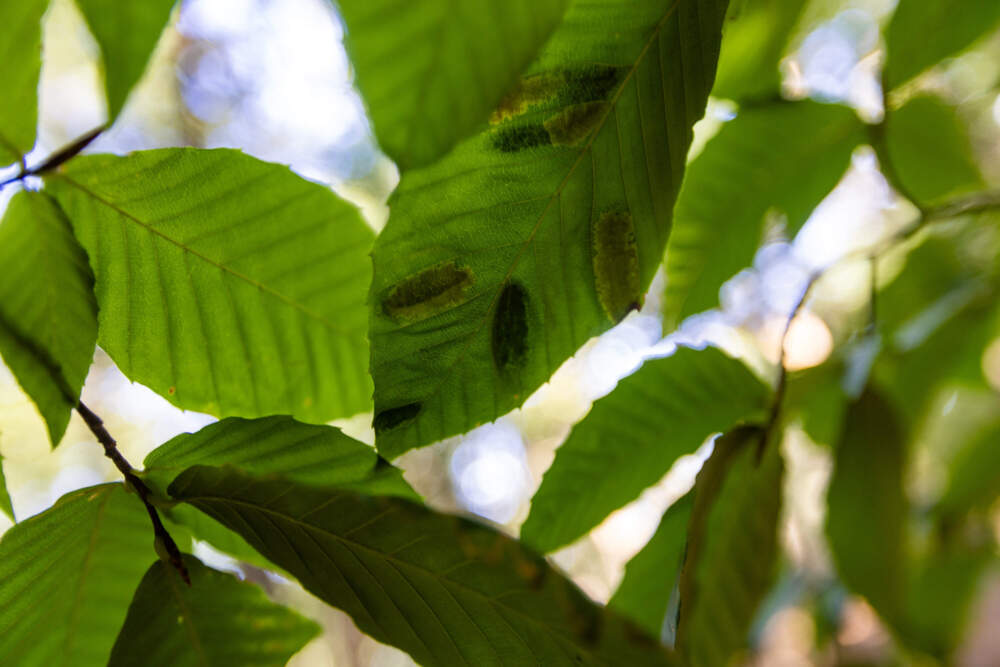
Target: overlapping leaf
(784,157)
(226,284)
(444,589)
(732,547)
(431,72)
(634,434)
(126,33)
(48,314)
(5,504)
(216,622)
(499,261)
(20,65)
(67,575)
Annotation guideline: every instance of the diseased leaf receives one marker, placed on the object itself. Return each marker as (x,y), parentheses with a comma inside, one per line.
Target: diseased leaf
(923,32)
(867,507)
(634,434)
(651,576)
(67,575)
(446,590)
(126,33)
(431,72)
(600,125)
(227,285)
(930,150)
(759,161)
(216,621)
(20,65)
(732,547)
(48,313)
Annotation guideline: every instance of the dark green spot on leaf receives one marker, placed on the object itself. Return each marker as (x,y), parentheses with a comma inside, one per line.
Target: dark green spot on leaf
(393,417)
(616,264)
(591,84)
(519,138)
(571,125)
(427,293)
(510,328)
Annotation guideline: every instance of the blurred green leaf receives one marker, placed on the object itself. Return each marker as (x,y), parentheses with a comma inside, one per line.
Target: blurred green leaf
(48,313)
(217,621)
(974,477)
(446,590)
(432,71)
(20,65)
(923,32)
(126,33)
(5,505)
(501,260)
(930,149)
(754,41)
(732,547)
(785,157)
(651,576)
(227,285)
(815,398)
(634,434)
(867,515)
(67,575)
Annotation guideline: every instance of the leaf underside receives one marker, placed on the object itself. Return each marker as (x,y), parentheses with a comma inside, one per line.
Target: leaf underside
(20,65)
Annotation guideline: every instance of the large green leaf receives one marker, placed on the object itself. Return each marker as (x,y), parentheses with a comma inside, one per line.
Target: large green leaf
(67,575)
(20,65)
(48,314)
(651,576)
(446,590)
(930,149)
(922,32)
(226,284)
(732,548)
(786,157)
(216,622)
(501,260)
(754,41)
(974,475)
(432,71)
(866,520)
(633,435)
(126,32)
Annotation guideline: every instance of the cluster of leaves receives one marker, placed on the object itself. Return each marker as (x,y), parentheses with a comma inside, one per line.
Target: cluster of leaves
(542,145)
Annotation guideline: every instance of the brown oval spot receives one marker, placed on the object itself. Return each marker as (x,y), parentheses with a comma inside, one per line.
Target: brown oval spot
(571,125)
(616,264)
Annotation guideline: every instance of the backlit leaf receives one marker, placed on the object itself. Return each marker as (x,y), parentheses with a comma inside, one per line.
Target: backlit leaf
(20,65)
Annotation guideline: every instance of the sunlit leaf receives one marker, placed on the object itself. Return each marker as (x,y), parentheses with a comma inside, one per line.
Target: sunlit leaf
(48,314)
(501,260)
(732,548)
(228,285)
(446,590)
(67,575)
(633,435)
(5,504)
(783,157)
(974,477)
(126,33)
(923,32)
(651,576)
(217,621)
(432,71)
(20,65)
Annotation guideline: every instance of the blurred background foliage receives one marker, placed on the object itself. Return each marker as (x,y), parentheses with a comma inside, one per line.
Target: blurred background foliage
(913,525)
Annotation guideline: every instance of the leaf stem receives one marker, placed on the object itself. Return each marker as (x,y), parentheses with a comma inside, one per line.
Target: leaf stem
(55,159)
(96,426)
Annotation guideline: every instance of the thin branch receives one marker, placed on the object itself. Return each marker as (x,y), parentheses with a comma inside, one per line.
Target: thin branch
(56,159)
(96,426)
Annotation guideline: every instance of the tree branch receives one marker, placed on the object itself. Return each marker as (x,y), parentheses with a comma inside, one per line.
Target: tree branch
(163,538)
(55,159)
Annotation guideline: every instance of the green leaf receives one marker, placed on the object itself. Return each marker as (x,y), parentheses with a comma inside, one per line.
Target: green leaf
(5,505)
(126,33)
(228,285)
(923,32)
(974,475)
(754,42)
(67,575)
(759,161)
(732,547)
(501,260)
(217,621)
(930,150)
(431,72)
(634,434)
(651,576)
(305,453)
(48,314)
(446,590)
(20,65)
(867,505)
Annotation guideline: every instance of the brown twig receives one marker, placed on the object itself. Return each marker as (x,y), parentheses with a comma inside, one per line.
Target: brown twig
(96,426)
